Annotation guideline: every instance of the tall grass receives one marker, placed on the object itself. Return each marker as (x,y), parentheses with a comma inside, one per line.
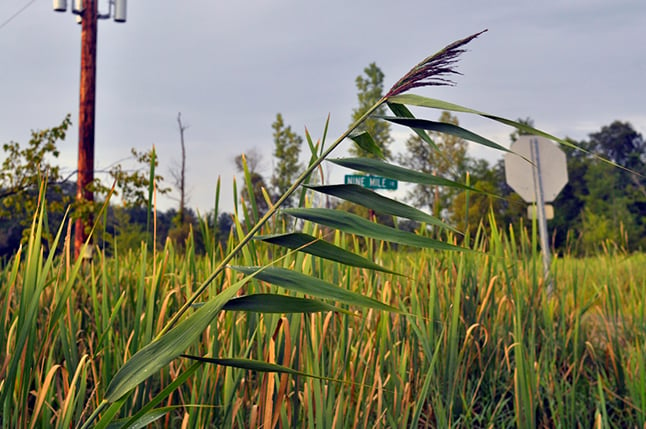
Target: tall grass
(293,329)
(479,343)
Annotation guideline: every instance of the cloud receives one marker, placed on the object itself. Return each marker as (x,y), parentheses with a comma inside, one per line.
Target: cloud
(230,67)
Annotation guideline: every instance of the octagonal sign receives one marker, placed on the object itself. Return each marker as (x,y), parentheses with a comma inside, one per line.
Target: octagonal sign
(552,173)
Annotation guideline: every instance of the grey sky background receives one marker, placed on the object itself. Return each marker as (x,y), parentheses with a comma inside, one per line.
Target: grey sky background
(229,67)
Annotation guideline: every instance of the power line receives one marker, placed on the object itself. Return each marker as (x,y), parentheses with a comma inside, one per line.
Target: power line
(11,18)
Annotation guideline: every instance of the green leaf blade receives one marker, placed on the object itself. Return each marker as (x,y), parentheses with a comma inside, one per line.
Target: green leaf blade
(446,128)
(354,224)
(380,168)
(169,346)
(402,111)
(420,101)
(365,141)
(248,364)
(322,249)
(379,203)
(272,303)
(309,285)
(145,420)
(258,365)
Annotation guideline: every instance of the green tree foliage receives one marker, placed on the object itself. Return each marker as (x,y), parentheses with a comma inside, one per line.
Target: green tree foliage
(469,212)
(24,169)
(510,207)
(287,148)
(185,233)
(569,205)
(620,143)
(252,160)
(133,185)
(516,133)
(614,195)
(601,202)
(370,88)
(224,227)
(124,231)
(496,199)
(448,160)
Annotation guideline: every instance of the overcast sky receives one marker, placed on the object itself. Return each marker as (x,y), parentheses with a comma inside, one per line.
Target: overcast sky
(229,67)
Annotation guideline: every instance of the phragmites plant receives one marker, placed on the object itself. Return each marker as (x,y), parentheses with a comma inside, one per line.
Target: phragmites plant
(180,332)
(177,334)
(432,71)
(187,338)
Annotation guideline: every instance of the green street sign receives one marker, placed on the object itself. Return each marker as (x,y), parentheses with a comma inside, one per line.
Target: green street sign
(371,182)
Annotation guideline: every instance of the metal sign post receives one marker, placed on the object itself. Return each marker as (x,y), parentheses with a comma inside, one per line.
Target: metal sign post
(548,176)
(540,208)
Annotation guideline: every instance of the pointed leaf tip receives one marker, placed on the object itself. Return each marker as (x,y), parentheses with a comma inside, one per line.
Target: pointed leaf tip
(365,141)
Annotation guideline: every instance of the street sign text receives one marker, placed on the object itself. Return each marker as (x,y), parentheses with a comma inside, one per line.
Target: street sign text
(371,182)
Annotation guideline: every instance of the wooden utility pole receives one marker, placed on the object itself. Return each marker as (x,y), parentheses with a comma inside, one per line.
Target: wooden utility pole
(88,13)
(86,118)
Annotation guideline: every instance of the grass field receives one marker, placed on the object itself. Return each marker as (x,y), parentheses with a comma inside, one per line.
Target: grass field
(477,343)
(346,323)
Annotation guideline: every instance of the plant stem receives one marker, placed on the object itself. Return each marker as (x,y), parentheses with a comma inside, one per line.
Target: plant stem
(299,181)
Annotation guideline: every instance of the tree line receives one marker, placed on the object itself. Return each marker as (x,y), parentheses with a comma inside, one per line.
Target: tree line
(602,205)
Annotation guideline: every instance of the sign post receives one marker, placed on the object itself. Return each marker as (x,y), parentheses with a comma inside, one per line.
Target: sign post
(540,209)
(547,179)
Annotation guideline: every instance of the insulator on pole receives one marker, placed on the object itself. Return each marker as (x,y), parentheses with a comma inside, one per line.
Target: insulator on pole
(60,5)
(78,6)
(120,10)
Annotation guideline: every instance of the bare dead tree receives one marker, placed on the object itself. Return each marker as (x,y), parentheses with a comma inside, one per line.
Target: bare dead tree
(179,173)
